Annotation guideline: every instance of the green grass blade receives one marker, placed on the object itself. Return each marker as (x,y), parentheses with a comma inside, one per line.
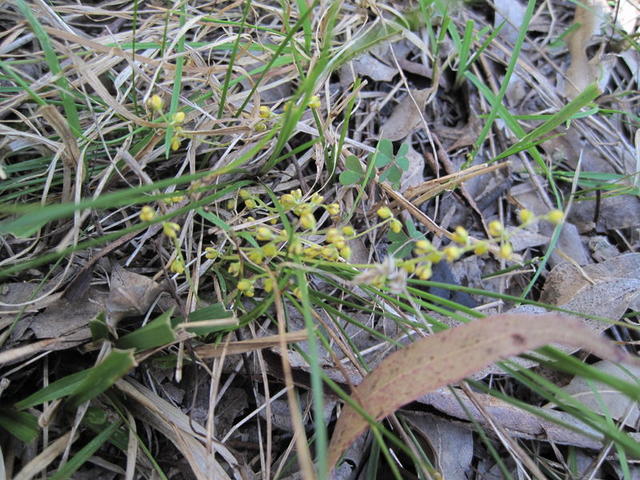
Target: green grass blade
(85,453)
(498,100)
(156,333)
(68,101)
(563,115)
(116,365)
(317,391)
(21,425)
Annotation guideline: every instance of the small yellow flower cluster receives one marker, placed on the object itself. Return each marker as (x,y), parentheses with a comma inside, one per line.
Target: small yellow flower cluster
(147,213)
(314,102)
(304,209)
(271,243)
(385,213)
(156,104)
(178,119)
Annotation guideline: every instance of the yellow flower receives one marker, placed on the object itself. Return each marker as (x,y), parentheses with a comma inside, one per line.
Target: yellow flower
(434,256)
(308,221)
(297,292)
(234,269)
(496,228)
(211,253)
(408,267)
(555,216)
(396,226)
(287,200)
(170,229)
(250,203)
(256,255)
(296,248)
(481,248)
(175,199)
(264,234)
(244,194)
(314,102)
(333,209)
(177,266)
(179,117)
(506,250)
(267,285)
(348,230)
(345,252)
(384,213)
(270,250)
(317,199)
(424,272)
(422,247)
(452,253)
(175,143)
(147,213)
(264,112)
(461,236)
(246,287)
(525,216)
(155,103)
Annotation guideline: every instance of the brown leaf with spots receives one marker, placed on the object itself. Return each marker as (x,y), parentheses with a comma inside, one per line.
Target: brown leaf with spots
(449,356)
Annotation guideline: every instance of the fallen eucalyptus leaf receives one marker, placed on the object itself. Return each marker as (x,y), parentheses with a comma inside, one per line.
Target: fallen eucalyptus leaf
(449,356)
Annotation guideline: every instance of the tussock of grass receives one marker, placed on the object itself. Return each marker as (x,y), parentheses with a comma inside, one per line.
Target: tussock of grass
(216,155)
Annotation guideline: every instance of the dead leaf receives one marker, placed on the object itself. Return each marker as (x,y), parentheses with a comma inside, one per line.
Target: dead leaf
(445,437)
(184,433)
(451,355)
(605,289)
(414,175)
(604,399)
(18,295)
(517,422)
(130,294)
(582,71)
(369,66)
(406,116)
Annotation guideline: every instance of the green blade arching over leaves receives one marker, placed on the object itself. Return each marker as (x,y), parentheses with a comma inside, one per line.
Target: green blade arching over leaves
(115,366)
(156,333)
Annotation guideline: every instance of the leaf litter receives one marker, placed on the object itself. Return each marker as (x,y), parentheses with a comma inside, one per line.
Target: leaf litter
(408,94)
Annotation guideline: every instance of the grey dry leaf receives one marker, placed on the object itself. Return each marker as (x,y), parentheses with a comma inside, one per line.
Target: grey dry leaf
(605,399)
(605,289)
(582,71)
(130,294)
(445,437)
(406,116)
(369,66)
(414,175)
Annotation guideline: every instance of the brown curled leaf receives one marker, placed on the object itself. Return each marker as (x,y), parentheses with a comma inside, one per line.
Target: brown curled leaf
(449,356)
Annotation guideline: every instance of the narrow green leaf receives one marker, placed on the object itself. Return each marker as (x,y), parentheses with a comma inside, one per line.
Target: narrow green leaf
(212,312)
(21,425)
(85,453)
(68,101)
(116,365)
(58,389)
(156,333)
(565,113)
